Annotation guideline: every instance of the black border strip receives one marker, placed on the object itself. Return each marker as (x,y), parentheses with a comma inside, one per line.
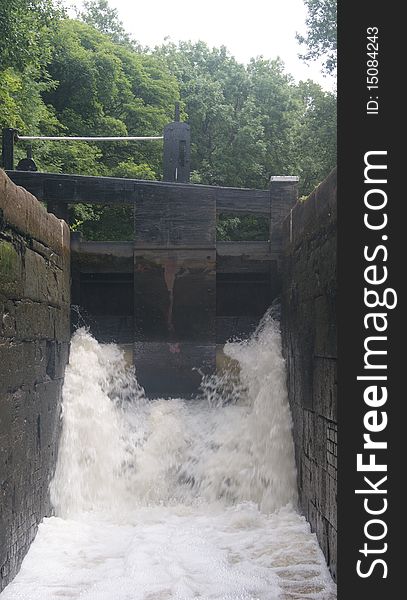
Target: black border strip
(359,132)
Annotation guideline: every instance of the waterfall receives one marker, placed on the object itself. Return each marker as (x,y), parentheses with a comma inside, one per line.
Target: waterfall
(171,498)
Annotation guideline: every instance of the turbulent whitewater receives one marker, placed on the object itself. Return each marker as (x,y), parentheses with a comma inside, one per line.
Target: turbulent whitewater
(172,499)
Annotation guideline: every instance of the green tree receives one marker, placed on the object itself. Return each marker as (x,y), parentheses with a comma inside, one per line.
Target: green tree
(226,133)
(28,29)
(321,37)
(274,95)
(25,27)
(105,88)
(87,77)
(105,19)
(248,123)
(317,140)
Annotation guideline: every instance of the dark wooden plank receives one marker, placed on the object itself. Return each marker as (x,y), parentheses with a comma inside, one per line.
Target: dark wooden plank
(116,249)
(244,257)
(8,138)
(94,190)
(113,190)
(174,294)
(235,264)
(103,257)
(284,193)
(171,217)
(177,152)
(243,201)
(255,250)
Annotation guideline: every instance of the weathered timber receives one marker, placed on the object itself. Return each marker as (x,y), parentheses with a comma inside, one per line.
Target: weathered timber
(172,217)
(112,190)
(103,257)
(59,209)
(174,288)
(243,201)
(174,315)
(177,152)
(284,191)
(175,295)
(8,148)
(244,257)
(117,257)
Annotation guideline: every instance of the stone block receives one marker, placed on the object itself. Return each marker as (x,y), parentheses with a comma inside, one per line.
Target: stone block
(10,270)
(21,363)
(61,319)
(57,285)
(35,277)
(325,387)
(34,321)
(331,501)
(331,554)
(23,213)
(7,318)
(308,423)
(34,336)
(57,358)
(325,342)
(325,198)
(309,346)
(48,396)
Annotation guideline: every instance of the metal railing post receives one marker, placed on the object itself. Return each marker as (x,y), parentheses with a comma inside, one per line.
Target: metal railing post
(177,150)
(8,139)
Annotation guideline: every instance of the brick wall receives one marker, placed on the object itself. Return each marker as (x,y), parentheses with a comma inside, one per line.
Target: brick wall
(34,338)
(309,341)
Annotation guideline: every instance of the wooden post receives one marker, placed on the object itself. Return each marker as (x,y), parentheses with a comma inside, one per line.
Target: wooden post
(174,288)
(8,139)
(58,209)
(177,152)
(57,196)
(76,239)
(283,196)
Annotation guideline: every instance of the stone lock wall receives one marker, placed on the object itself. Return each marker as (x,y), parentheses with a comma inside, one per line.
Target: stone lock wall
(34,338)
(309,343)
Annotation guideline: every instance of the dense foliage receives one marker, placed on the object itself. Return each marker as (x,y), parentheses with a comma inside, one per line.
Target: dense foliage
(321,38)
(86,76)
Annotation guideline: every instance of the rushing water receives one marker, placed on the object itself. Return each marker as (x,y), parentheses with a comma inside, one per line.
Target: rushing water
(173,499)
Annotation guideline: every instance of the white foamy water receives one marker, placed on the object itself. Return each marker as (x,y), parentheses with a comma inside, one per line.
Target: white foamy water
(175,499)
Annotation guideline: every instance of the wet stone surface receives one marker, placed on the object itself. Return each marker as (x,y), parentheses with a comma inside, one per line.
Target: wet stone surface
(309,343)
(34,338)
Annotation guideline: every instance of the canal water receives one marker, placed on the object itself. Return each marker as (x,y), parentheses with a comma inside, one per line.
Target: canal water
(174,499)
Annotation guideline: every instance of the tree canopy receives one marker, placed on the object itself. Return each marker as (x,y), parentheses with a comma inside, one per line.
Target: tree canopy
(101,16)
(26,32)
(321,38)
(87,76)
